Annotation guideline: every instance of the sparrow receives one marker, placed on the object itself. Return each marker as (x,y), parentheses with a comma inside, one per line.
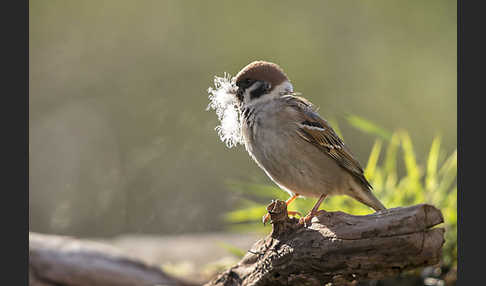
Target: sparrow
(288,139)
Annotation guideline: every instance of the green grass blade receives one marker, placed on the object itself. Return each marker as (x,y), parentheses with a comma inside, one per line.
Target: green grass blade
(369,171)
(432,162)
(252,213)
(449,175)
(450,163)
(413,170)
(368,126)
(391,154)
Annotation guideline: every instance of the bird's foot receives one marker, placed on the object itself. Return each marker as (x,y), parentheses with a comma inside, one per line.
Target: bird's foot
(266,217)
(306,221)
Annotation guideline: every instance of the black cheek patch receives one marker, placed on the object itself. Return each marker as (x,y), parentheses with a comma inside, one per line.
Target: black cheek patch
(259,91)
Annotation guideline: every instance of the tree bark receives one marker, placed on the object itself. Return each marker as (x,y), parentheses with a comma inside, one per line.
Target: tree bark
(339,248)
(336,248)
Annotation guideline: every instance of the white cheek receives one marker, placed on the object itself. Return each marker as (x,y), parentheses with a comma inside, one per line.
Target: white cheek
(278,91)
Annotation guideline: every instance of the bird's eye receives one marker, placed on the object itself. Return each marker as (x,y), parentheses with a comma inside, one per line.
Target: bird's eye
(267,87)
(261,88)
(245,83)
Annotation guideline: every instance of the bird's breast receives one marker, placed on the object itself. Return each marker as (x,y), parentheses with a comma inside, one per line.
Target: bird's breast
(292,163)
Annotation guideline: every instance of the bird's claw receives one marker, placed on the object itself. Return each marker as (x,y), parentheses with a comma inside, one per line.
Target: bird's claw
(306,221)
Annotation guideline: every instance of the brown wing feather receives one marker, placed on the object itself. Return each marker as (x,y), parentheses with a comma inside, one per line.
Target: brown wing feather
(317,131)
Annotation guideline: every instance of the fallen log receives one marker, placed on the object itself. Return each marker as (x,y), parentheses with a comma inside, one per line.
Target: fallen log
(336,248)
(339,248)
(60,260)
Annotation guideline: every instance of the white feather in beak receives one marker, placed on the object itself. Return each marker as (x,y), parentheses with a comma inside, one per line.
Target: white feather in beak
(224,102)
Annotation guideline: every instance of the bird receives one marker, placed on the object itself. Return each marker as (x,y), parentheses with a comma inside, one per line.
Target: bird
(296,147)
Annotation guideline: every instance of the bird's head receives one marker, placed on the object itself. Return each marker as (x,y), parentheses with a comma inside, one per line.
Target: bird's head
(261,80)
(256,82)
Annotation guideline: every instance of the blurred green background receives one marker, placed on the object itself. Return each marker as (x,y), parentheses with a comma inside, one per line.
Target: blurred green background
(120,139)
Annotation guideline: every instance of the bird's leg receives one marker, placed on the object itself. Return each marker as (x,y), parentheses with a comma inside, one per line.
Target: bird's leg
(307,219)
(266,217)
(291,199)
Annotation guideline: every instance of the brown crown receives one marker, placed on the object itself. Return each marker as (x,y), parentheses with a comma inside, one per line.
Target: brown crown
(262,70)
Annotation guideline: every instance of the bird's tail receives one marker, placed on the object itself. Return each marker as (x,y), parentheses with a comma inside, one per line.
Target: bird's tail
(365,196)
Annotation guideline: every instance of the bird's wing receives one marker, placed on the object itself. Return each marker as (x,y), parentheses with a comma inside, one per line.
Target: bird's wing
(317,131)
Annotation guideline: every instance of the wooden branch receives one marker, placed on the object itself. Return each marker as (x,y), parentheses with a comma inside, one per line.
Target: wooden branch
(340,248)
(58,260)
(336,248)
